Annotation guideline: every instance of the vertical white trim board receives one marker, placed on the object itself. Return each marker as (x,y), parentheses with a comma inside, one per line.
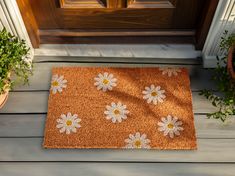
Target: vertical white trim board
(224,19)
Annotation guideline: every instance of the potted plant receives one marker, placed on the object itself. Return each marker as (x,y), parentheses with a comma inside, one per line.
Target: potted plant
(224,96)
(15,63)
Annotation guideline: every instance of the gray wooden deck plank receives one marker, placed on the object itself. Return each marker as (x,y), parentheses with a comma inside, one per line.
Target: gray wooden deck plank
(30,149)
(200,78)
(115,169)
(36,102)
(26,125)
(211,146)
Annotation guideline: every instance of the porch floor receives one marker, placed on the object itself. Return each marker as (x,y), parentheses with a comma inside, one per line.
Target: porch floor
(23,117)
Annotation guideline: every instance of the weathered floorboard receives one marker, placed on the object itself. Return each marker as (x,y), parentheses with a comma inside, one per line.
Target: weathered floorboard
(25,125)
(116,169)
(30,149)
(22,123)
(36,102)
(200,78)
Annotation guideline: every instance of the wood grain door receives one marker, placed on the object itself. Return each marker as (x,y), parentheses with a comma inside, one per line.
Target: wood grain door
(114,21)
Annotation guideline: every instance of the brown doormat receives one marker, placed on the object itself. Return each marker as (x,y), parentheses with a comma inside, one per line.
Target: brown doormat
(147,108)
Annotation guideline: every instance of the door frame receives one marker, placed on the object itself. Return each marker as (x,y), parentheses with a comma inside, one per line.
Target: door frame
(103,37)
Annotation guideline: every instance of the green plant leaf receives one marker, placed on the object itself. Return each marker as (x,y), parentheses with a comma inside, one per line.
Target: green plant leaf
(226,101)
(14,59)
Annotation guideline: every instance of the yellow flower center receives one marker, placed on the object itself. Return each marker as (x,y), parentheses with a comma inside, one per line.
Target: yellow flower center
(170,125)
(116,112)
(68,122)
(138,143)
(105,81)
(55,83)
(154,94)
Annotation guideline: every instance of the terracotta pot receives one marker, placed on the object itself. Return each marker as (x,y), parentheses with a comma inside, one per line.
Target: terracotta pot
(3,98)
(230,66)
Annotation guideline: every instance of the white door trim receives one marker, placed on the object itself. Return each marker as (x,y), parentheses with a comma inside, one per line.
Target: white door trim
(224,19)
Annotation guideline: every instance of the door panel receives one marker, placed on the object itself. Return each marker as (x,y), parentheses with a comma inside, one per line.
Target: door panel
(82,4)
(151,4)
(116,4)
(50,15)
(60,20)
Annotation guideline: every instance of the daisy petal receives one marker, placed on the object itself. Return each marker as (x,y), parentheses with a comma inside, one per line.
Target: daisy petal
(170,125)
(116,112)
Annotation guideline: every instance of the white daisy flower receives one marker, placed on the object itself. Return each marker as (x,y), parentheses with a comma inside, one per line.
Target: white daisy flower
(137,141)
(58,83)
(105,81)
(170,71)
(116,112)
(170,126)
(68,123)
(154,94)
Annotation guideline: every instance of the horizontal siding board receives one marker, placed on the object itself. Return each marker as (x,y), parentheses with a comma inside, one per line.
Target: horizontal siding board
(30,149)
(116,169)
(26,125)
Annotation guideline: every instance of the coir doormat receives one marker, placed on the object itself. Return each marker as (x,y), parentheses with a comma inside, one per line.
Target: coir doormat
(148,108)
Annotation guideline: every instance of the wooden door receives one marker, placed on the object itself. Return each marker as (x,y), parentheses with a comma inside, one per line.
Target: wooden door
(112,21)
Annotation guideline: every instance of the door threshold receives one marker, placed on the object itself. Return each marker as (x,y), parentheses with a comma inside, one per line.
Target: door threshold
(163,51)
